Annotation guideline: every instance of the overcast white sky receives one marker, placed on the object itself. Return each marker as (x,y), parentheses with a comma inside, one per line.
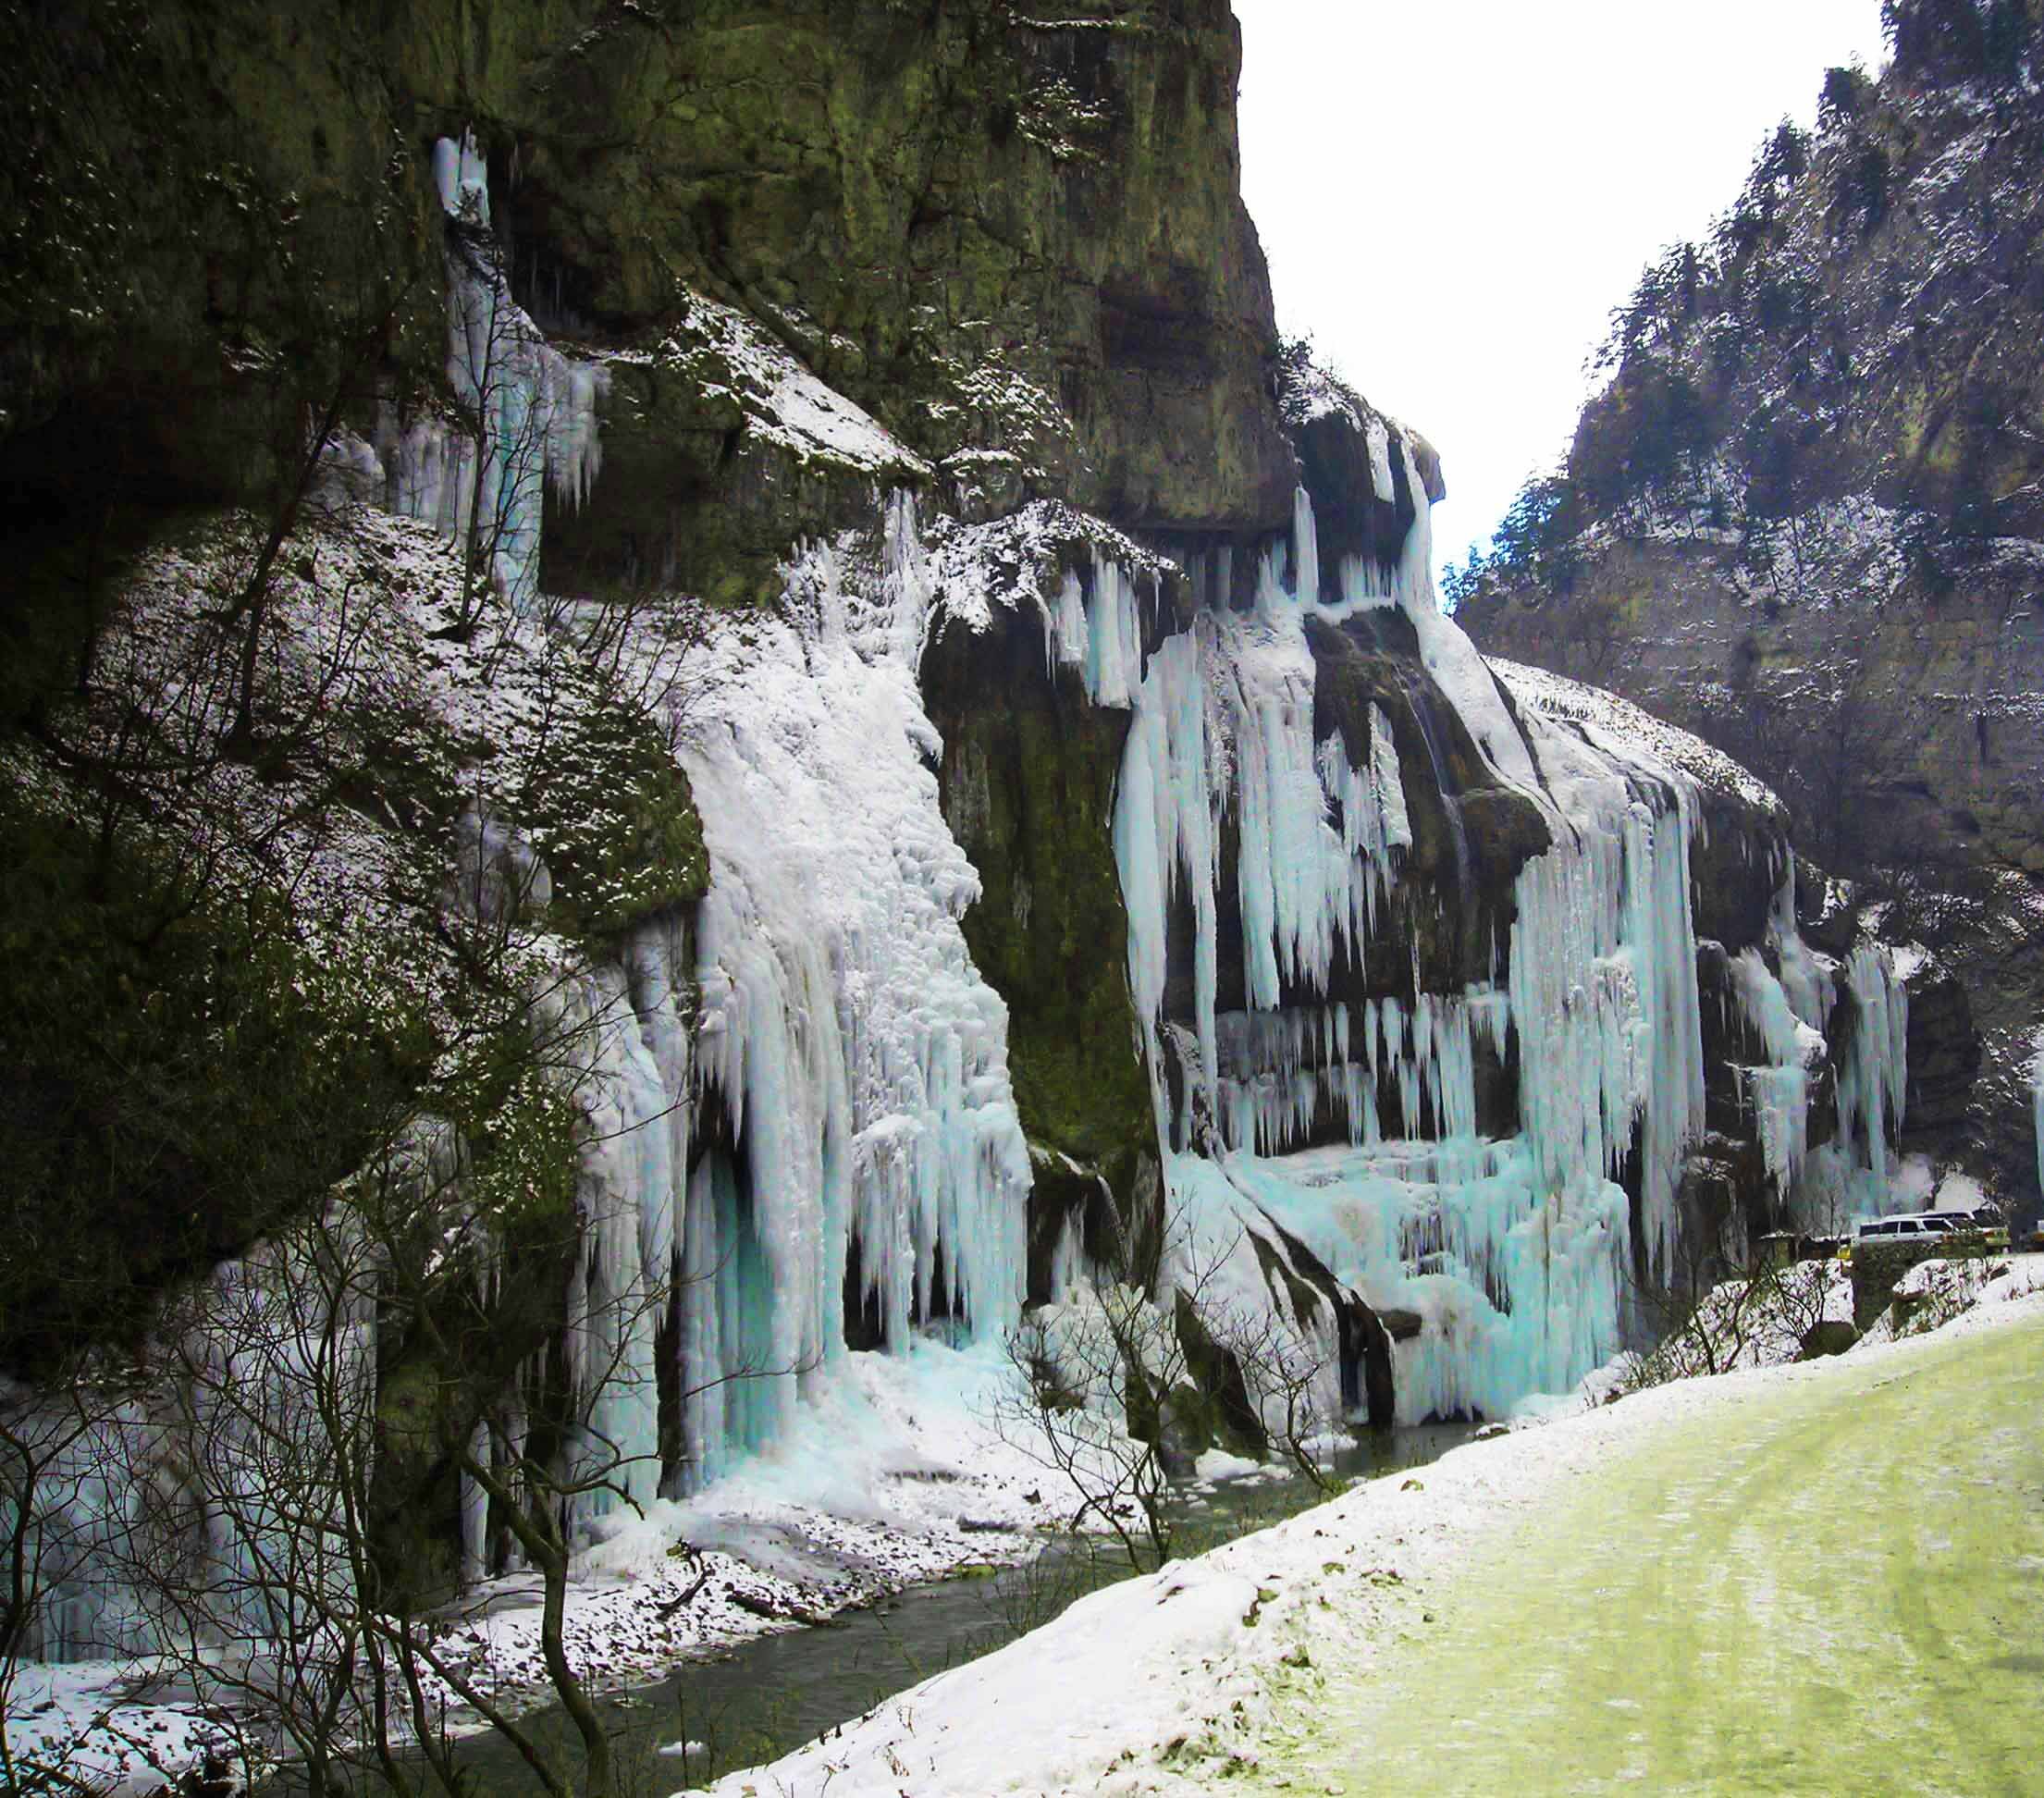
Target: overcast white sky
(1453,194)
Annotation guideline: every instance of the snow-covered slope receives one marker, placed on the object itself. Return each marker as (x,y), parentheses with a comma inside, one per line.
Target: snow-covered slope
(1172,1683)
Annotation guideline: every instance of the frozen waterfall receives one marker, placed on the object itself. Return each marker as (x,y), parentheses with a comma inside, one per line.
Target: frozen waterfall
(1513,1251)
(857,1141)
(1790,1005)
(1509,1252)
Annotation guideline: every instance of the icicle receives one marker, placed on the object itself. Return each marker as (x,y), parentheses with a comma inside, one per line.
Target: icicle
(1305,549)
(463,178)
(476,1512)
(1805,978)
(1378,438)
(1778,1090)
(537,409)
(1872,1083)
(627,1196)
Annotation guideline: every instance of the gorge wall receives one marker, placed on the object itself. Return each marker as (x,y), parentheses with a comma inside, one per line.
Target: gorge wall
(844,602)
(1802,521)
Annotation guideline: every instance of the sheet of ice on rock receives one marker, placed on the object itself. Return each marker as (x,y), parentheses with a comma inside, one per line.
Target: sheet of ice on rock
(535,408)
(859,1060)
(1790,995)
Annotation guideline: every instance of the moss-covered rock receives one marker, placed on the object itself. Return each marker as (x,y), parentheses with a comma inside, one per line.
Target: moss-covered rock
(1017,242)
(214,223)
(1028,778)
(611,812)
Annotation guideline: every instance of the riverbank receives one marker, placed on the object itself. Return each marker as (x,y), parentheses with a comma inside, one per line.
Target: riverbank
(1232,1667)
(894,1480)
(894,1477)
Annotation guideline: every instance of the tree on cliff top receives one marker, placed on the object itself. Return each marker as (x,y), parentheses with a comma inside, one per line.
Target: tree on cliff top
(1946,40)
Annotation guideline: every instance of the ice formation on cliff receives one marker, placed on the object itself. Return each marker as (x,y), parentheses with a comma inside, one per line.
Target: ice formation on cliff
(1509,1252)
(1791,1012)
(801,1124)
(1514,1252)
(857,1059)
(801,1101)
(535,408)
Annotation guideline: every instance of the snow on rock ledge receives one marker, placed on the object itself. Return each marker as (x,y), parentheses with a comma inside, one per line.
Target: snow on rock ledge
(1621,728)
(726,355)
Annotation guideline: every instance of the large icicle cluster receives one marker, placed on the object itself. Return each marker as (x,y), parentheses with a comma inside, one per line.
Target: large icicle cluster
(1604,997)
(1778,1088)
(1511,1253)
(857,1059)
(1514,1253)
(1791,1012)
(623,1027)
(1873,1084)
(800,1101)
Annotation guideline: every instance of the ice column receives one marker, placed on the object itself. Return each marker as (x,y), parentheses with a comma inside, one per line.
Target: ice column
(1780,1089)
(1872,1083)
(626,1197)
(1604,994)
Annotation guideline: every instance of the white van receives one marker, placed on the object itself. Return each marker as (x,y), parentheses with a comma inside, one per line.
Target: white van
(1911,1227)
(1910,1224)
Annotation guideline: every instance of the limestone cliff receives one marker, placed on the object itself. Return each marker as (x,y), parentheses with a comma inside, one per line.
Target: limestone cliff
(1015,240)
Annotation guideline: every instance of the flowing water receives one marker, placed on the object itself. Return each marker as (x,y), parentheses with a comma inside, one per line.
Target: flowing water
(764,1697)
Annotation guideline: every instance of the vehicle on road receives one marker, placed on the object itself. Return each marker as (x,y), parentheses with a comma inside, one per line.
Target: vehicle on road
(1910,1224)
(1977,1228)
(1982,1223)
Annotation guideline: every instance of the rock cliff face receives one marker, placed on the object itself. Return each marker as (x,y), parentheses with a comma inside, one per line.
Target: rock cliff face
(1803,521)
(1015,242)
(1013,819)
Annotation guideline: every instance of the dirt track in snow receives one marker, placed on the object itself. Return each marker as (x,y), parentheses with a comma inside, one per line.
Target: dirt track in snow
(1833,1586)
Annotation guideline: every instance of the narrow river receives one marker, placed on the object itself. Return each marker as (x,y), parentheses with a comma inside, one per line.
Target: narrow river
(756,1701)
